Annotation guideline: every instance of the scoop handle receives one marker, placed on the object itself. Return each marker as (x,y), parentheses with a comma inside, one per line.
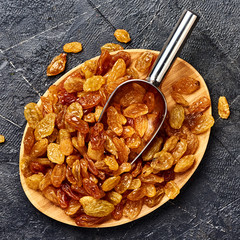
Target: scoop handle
(173,46)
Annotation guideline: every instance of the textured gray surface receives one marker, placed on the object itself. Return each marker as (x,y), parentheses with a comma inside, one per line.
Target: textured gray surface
(32,32)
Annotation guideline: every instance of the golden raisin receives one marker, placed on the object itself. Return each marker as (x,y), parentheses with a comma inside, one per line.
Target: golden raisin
(223,107)
(57,65)
(111,47)
(2,139)
(122,35)
(186,85)
(72,47)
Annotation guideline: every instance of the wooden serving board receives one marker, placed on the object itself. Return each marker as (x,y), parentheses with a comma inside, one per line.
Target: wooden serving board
(179,69)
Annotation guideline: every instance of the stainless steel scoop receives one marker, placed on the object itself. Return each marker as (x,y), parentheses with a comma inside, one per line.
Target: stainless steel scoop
(167,56)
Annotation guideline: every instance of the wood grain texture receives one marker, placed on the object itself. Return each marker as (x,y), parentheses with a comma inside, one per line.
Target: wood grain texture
(179,69)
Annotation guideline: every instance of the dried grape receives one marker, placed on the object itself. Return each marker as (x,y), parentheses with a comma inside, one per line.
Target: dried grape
(162,161)
(34,180)
(45,127)
(110,183)
(152,149)
(178,98)
(54,154)
(57,65)
(144,62)
(72,47)
(58,175)
(171,189)
(96,207)
(132,208)
(135,110)
(122,35)
(186,85)
(32,114)
(200,105)
(93,83)
(184,163)
(66,146)
(111,47)
(203,124)
(223,107)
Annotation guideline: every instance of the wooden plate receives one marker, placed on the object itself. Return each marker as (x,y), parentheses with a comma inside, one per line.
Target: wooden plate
(179,69)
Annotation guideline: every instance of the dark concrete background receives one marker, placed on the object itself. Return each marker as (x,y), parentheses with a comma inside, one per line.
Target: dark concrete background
(33,32)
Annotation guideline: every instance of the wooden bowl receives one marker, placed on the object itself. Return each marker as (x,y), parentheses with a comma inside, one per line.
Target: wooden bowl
(179,69)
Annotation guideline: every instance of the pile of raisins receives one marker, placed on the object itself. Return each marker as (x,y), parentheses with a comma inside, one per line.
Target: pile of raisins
(83,166)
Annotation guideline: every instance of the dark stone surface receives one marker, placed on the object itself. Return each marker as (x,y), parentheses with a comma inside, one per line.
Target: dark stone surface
(32,32)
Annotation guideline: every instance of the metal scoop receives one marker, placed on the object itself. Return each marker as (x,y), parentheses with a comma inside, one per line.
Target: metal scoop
(167,56)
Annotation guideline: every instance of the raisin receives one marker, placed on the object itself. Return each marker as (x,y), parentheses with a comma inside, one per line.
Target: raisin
(57,65)
(170,144)
(124,184)
(88,68)
(29,140)
(66,146)
(73,207)
(122,150)
(223,107)
(179,99)
(91,188)
(153,201)
(176,116)
(132,208)
(74,84)
(111,162)
(110,183)
(72,47)
(114,197)
(34,181)
(76,172)
(2,139)
(114,121)
(144,62)
(51,194)
(58,175)
(171,189)
(186,85)
(45,127)
(89,100)
(137,194)
(118,70)
(93,83)
(149,100)
(179,150)
(54,154)
(86,221)
(203,124)
(32,114)
(152,149)
(184,163)
(200,105)
(62,198)
(122,35)
(131,97)
(141,124)
(39,148)
(46,181)
(97,136)
(135,184)
(110,146)
(111,47)
(67,189)
(134,141)
(66,98)
(162,161)
(135,110)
